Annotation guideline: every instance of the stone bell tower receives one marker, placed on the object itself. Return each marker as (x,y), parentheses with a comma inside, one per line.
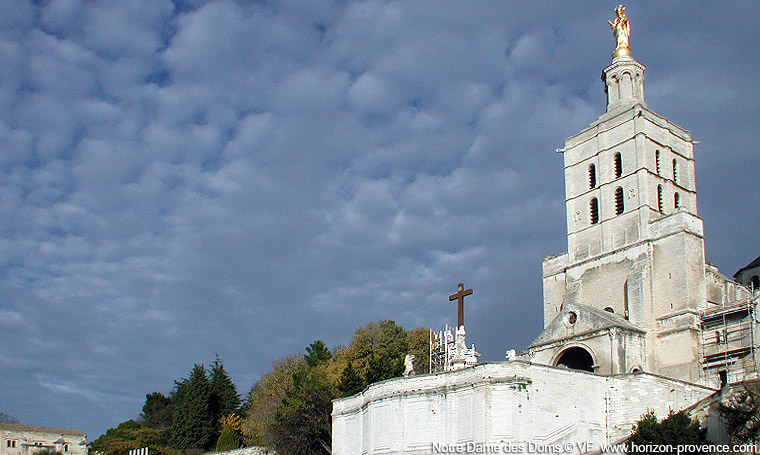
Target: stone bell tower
(626,294)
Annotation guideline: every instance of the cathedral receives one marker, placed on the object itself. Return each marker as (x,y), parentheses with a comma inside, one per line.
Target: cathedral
(635,318)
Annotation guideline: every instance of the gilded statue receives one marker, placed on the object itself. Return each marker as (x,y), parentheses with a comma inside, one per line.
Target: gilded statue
(621,28)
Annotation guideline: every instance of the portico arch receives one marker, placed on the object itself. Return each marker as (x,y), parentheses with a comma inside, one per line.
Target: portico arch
(576,358)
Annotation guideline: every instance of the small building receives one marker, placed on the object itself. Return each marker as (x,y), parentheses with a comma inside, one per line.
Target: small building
(749,275)
(17,439)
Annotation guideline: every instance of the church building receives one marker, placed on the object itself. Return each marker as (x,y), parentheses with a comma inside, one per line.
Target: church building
(635,318)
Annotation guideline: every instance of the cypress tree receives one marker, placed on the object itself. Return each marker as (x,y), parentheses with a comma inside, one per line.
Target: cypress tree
(224,397)
(194,426)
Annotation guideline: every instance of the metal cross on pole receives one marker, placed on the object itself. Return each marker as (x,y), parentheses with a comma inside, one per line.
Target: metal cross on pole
(459,296)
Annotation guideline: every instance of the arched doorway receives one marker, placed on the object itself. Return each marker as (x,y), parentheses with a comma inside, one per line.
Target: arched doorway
(576,358)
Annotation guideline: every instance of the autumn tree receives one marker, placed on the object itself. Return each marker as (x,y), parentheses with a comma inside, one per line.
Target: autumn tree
(265,397)
(302,421)
(231,436)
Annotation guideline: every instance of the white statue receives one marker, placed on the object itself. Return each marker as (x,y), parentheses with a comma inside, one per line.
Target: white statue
(460,346)
(511,354)
(408,365)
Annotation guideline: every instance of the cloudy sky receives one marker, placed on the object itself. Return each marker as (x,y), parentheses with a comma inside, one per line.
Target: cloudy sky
(179,179)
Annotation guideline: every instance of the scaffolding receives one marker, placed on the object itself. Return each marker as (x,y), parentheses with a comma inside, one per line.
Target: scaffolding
(729,342)
(449,352)
(442,350)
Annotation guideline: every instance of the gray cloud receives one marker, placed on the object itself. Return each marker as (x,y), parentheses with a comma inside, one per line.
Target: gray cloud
(190,178)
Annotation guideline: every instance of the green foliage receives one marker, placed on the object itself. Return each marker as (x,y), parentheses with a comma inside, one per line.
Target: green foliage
(133,435)
(350,382)
(377,351)
(317,353)
(232,435)
(224,397)
(676,429)
(289,408)
(157,411)
(265,397)
(418,344)
(302,421)
(194,425)
(382,367)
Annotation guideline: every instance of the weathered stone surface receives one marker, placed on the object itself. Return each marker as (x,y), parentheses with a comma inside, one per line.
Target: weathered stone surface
(502,402)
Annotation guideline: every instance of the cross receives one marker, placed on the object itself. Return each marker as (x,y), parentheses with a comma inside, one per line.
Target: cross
(460,295)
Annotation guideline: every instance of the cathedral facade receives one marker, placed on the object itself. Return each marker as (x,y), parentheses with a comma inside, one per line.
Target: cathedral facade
(634,292)
(635,318)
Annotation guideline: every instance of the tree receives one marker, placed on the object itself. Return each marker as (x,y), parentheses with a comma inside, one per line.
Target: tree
(231,436)
(157,411)
(224,397)
(382,367)
(193,423)
(418,344)
(317,353)
(302,421)
(678,429)
(133,435)
(350,382)
(379,346)
(265,397)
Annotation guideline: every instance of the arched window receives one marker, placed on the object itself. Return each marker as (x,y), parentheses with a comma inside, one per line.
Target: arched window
(676,201)
(594,210)
(659,198)
(657,160)
(675,171)
(619,202)
(591,176)
(618,165)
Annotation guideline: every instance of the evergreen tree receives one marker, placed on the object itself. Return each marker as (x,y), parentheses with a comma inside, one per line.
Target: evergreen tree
(383,367)
(232,433)
(224,397)
(350,382)
(317,353)
(157,411)
(194,426)
(678,429)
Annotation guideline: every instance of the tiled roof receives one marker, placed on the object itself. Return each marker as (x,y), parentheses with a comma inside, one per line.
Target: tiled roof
(19,427)
(751,265)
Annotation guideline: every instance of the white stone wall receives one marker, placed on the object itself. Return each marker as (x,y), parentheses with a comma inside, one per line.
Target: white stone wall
(494,403)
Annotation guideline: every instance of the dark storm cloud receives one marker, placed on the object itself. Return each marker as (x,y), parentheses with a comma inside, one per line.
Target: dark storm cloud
(190,178)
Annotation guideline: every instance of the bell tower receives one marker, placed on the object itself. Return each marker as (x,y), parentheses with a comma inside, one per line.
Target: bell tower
(635,240)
